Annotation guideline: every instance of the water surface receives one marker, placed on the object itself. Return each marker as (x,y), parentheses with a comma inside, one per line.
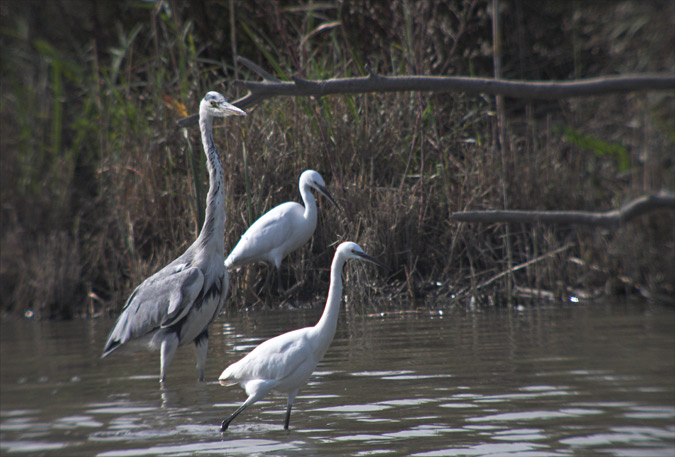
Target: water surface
(542,381)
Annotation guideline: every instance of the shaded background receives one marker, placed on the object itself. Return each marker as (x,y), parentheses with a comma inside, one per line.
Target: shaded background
(98,185)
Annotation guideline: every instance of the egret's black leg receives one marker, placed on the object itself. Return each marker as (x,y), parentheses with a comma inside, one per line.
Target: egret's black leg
(268,280)
(288,416)
(226,422)
(268,284)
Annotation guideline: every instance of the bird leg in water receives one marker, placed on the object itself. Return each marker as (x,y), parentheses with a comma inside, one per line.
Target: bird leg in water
(201,348)
(289,405)
(254,397)
(226,422)
(167,350)
(288,415)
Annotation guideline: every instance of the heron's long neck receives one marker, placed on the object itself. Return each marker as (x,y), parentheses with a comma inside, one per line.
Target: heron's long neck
(326,326)
(213,231)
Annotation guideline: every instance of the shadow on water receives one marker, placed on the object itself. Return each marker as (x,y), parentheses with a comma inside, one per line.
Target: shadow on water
(584,380)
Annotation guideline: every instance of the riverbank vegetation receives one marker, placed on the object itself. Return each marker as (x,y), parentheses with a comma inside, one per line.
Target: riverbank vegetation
(100,188)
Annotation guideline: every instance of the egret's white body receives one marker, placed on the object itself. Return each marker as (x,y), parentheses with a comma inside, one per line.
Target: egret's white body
(284,363)
(175,305)
(281,230)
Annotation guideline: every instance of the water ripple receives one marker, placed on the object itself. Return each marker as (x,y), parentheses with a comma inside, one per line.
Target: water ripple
(493,450)
(232,447)
(480,384)
(30,446)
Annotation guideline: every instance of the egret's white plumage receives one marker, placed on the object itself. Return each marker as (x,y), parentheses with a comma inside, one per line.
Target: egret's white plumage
(281,230)
(175,305)
(284,363)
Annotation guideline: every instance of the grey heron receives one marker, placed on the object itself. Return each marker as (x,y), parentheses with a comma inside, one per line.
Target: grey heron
(284,362)
(281,230)
(175,305)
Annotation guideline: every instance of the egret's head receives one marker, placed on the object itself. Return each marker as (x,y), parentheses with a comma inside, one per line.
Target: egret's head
(350,250)
(314,180)
(215,104)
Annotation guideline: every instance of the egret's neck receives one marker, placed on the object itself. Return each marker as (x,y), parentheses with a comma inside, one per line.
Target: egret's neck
(213,231)
(310,203)
(325,328)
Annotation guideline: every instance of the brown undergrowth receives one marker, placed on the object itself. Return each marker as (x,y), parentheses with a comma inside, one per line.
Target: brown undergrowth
(98,187)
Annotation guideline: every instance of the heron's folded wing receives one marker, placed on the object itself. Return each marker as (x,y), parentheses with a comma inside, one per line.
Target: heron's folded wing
(185,292)
(160,300)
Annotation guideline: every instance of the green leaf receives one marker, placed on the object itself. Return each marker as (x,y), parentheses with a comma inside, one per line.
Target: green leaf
(599,147)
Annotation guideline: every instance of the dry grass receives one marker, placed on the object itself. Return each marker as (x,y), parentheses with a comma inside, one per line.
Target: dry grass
(98,191)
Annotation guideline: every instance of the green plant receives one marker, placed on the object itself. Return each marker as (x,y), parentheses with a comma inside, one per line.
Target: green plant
(599,147)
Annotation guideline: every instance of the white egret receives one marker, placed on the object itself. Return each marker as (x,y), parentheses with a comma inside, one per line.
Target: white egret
(284,363)
(175,305)
(281,230)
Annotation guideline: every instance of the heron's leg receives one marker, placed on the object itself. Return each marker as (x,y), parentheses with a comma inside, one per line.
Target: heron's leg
(167,350)
(201,347)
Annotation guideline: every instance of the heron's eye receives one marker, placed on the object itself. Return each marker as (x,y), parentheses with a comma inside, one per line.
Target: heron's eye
(214,103)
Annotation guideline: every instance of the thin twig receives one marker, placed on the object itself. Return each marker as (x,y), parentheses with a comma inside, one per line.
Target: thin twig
(509,271)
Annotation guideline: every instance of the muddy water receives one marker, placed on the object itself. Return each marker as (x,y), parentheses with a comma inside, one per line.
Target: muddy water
(594,379)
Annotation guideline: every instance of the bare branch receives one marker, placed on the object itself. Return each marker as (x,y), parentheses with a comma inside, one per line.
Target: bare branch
(272,87)
(613,218)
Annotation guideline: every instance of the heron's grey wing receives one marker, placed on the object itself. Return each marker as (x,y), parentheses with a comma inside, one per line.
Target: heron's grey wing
(161,300)
(184,294)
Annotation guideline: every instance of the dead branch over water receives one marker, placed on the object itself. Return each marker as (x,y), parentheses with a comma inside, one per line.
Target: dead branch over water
(613,218)
(273,87)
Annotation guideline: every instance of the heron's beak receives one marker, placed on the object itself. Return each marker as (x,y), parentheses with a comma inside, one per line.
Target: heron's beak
(231,110)
(372,260)
(324,191)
